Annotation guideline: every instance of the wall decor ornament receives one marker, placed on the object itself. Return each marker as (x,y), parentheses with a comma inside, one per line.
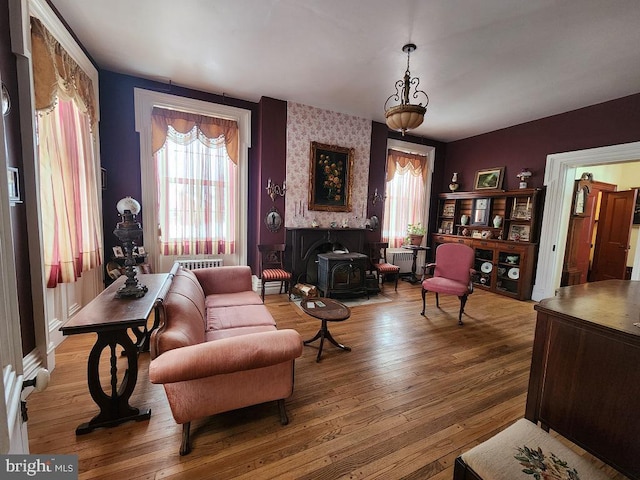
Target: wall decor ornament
(273,220)
(330,177)
(489,179)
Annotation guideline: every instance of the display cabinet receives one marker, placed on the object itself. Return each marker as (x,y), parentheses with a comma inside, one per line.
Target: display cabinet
(502,228)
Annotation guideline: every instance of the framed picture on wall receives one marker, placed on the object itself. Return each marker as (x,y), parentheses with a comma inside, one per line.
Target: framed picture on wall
(330,177)
(489,179)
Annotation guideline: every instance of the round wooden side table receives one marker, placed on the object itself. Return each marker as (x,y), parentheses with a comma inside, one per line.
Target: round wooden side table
(327,310)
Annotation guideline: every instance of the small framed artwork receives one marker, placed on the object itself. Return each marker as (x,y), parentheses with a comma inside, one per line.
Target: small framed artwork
(636,209)
(117,252)
(519,233)
(103,177)
(447,226)
(14,185)
(480,211)
(489,179)
(448,210)
(141,251)
(330,177)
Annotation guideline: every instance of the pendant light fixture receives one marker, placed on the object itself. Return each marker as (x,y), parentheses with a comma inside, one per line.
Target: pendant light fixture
(406,116)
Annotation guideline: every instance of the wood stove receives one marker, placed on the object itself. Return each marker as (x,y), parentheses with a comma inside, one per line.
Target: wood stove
(304,245)
(342,273)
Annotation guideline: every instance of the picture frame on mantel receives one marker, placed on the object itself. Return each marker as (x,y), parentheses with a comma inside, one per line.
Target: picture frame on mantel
(489,179)
(330,177)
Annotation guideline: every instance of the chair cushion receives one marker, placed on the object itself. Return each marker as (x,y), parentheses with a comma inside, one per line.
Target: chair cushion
(386,267)
(273,274)
(446,286)
(525,451)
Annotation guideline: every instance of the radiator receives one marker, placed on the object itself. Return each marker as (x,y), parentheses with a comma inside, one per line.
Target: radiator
(191,264)
(404,259)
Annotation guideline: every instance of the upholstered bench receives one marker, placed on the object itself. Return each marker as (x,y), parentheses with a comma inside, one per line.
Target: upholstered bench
(524,451)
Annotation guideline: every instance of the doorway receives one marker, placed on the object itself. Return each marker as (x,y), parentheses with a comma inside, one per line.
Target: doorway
(560,173)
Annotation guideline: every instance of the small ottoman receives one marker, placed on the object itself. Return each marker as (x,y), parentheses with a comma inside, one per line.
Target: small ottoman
(524,451)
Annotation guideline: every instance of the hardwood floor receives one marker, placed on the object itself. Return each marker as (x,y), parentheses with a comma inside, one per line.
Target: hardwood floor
(413,393)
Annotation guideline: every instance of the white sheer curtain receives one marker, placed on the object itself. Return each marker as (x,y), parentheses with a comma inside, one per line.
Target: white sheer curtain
(69,194)
(197,184)
(406,195)
(71,218)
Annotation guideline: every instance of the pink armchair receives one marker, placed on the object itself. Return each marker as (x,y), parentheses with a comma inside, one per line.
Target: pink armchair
(452,274)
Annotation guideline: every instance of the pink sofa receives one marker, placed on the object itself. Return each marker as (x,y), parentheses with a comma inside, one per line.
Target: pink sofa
(217,347)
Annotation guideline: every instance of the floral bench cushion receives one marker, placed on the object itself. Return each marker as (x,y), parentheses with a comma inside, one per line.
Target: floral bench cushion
(525,451)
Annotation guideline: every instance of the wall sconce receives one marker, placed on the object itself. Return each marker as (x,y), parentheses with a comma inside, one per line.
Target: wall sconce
(523,175)
(376,197)
(274,190)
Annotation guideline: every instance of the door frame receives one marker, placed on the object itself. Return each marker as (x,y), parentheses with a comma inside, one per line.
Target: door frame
(559,179)
(13,431)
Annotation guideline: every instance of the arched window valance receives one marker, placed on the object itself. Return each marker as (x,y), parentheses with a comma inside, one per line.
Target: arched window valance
(183,122)
(56,74)
(402,161)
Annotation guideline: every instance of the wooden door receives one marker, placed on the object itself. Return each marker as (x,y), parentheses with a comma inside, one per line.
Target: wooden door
(580,235)
(612,237)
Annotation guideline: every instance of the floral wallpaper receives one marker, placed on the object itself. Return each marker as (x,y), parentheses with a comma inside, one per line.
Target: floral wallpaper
(307,124)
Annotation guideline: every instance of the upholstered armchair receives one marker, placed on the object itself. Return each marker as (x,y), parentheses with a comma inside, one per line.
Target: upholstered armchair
(452,272)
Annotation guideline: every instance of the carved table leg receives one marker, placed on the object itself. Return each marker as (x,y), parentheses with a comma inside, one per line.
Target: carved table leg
(114,408)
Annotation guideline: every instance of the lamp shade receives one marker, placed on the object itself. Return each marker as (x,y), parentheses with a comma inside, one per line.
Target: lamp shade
(405,117)
(128,203)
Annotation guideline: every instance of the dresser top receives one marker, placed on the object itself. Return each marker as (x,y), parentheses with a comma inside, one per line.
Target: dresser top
(610,304)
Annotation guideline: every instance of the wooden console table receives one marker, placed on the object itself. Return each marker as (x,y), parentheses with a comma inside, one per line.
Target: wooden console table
(585,380)
(110,318)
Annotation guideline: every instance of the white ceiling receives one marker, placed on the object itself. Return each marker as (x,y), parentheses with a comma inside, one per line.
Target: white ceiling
(485,64)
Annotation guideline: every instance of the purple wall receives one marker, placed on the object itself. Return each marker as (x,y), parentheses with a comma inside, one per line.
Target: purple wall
(120,145)
(528,144)
(271,146)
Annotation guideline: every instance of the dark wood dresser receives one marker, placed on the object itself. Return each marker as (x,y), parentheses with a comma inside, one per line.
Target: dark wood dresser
(585,371)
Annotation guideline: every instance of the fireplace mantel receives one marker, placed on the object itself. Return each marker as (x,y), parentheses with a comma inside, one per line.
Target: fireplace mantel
(304,244)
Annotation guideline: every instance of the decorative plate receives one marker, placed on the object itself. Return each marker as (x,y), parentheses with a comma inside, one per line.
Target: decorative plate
(486,267)
(374,222)
(6,101)
(514,273)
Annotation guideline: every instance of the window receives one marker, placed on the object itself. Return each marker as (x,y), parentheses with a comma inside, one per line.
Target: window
(196,184)
(407,190)
(194,163)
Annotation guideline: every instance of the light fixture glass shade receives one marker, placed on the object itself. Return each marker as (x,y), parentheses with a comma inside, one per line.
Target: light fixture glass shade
(128,203)
(405,117)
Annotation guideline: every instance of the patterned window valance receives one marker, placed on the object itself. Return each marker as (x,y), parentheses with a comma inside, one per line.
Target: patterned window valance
(56,73)
(402,161)
(183,122)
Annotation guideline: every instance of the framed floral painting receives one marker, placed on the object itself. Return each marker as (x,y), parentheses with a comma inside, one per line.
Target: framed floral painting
(330,178)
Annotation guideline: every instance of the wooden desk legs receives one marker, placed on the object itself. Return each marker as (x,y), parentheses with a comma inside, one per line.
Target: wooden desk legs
(114,408)
(322,334)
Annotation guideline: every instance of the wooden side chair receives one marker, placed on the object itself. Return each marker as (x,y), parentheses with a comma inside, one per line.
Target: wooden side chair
(272,267)
(452,274)
(379,264)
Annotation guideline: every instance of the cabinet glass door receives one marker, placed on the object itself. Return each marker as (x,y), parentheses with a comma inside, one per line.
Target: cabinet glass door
(508,274)
(483,265)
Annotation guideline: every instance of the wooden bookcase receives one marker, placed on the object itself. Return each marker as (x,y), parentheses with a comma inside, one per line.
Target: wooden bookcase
(505,252)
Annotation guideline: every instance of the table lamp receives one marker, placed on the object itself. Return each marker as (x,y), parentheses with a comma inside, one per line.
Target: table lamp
(128,231)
